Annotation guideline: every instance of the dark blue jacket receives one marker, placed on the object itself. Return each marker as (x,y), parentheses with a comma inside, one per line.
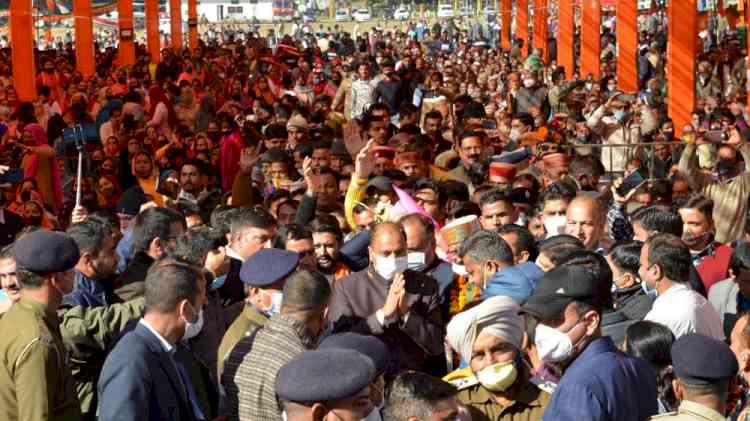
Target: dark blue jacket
(517,282)
(140,382)
(603,383)
(89,292)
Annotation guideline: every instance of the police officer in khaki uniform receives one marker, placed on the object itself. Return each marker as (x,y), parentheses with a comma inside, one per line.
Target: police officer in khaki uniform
(263,274)
(35,380)
(703,367)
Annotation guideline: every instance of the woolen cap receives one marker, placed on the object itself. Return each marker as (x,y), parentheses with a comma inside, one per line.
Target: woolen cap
(700,357)
(367,345)
(45,251)
(268,266)
(324,375)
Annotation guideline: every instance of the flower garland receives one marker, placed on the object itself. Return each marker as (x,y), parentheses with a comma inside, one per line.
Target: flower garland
(462,292)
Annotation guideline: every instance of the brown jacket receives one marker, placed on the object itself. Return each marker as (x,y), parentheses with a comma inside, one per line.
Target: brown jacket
(411,340)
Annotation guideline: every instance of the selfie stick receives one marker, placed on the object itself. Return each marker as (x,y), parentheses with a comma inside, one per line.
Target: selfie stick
(78,130)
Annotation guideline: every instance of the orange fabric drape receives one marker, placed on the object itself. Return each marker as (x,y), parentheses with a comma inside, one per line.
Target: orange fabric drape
(627,44)
(522,24)
(193,24)
(565,37)
(84,37)
(682,48)
(175,23)
(541,27)
(591,48)
(126,48)
(152,29)
(506,15)
(22,38)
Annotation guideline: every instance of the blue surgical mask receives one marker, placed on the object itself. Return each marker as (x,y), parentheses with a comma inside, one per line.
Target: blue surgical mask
(416,260)
(621,115)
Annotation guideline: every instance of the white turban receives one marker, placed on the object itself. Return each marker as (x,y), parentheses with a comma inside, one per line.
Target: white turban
(497,316)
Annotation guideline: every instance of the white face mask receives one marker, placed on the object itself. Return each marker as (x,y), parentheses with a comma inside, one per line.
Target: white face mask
(387,267)
(554,225)
(529,82)
(459,270)
(498,377)
(192,329)
(552,345)
(276,298)
(416,260)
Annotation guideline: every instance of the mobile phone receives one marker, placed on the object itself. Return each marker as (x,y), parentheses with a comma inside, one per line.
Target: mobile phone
(714,136)
(626,97)
(632,181)
(418,283)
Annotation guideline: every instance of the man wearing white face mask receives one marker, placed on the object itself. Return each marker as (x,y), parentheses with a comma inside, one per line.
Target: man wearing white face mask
(490,338)
(421,256)
(532,94)
(375,301)
(568,304)
(263,274)
(141,375)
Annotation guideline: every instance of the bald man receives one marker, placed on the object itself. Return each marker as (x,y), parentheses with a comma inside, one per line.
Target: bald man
(584,219)
(375,302)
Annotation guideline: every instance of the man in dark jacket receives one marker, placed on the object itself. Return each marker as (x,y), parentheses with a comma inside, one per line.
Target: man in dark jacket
(154,233)
(374,301)
(631,303)
(96,266)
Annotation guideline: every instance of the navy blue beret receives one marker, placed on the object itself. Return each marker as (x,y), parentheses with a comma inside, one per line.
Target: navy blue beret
(700,357)
(368,345)
(267,266)
(46,252)
(324,375)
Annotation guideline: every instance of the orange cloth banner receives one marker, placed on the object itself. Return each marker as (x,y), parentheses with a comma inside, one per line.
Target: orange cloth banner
(175,23)
(540,27)
(627,44)
(193,24)
(591,48)
(565,37)
(126,49)
(21,36)
(152,29)
(84,37)
(522,24)
(506,10)
(682,48)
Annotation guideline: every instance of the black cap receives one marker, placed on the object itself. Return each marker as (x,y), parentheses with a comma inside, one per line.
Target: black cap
(45,251)
(268,266)
(131,201)
(522,195)
(368,345)
(703,358)
(560,287)
(324,375)
(380,183)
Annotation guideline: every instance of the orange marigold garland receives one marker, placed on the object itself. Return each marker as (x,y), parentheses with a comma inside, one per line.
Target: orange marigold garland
(462,292)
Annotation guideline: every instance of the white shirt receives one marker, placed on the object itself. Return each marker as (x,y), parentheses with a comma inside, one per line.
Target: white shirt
(164,343)
(232,254)
(683,311)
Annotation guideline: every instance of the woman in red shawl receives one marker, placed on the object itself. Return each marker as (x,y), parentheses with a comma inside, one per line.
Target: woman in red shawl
(39,163)
(263,91)
(163,117)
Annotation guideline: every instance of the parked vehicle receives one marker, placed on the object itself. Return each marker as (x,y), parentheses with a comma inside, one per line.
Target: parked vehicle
(402,13)
(445,11)
(343,16)
(362,15)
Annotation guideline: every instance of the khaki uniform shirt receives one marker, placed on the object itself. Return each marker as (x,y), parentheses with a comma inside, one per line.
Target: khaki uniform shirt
(246,322)
(528,406)
(35,379)
(691,411)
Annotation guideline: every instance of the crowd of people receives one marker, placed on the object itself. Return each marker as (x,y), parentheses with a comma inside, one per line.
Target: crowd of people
(378,226)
